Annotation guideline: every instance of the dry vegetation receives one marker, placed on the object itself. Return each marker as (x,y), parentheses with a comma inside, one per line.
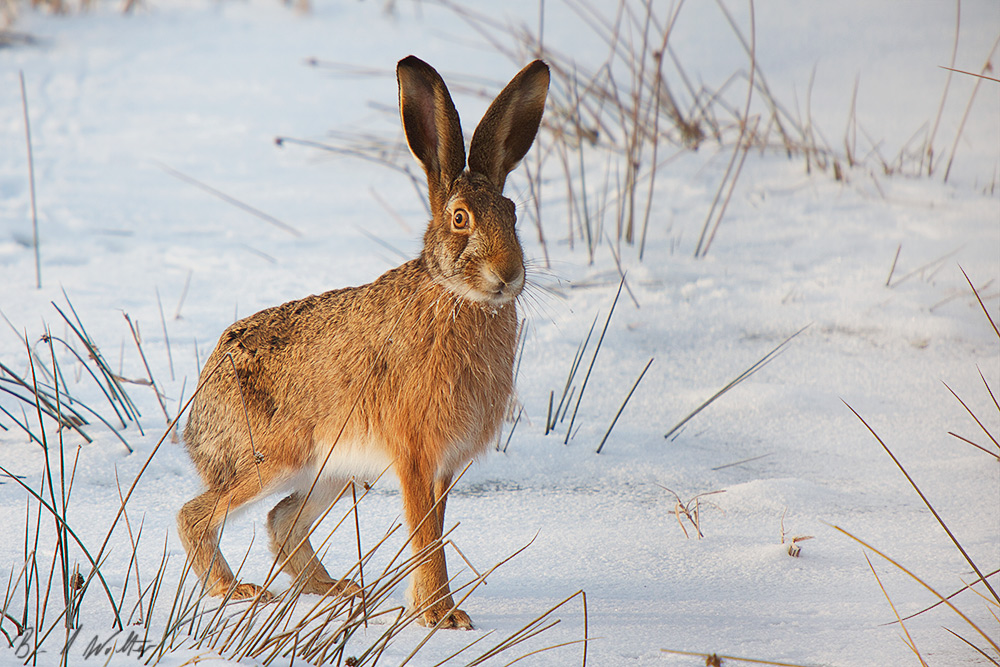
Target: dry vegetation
(630,113)
(10,9)
(613,122)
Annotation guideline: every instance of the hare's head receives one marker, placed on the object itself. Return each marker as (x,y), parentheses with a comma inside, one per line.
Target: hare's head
(471,245)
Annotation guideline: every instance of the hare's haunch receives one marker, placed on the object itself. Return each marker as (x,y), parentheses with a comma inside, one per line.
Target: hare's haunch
(412,372)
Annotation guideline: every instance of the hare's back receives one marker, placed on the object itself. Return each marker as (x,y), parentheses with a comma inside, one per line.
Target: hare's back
(330,319)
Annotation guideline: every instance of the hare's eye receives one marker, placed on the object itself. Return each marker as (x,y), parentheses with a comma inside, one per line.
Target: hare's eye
(461,219)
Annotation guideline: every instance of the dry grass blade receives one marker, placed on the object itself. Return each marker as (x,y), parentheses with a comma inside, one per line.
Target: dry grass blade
(975,418)
(741,462)
(920,493)
(940,602)
(149,373)
(166,336)
(579,397)
(357,534)
(962,71)
(553,416)
(974,647)
(990,391)
(534,628)
(981,304)
(190,180)
(464,648)
(987,66)
(892,269)
(704,242)
(624,403)
(763,361)
(621,272)
(920,581)
(657,97)
(923,267)
(517,420)
(371,149)
(909,640)
(549,648)
(31,182)
(929,148)
(258,458)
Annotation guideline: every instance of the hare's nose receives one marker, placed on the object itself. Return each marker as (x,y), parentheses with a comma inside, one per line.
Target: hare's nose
(515,281)
(510,271)
(510,281)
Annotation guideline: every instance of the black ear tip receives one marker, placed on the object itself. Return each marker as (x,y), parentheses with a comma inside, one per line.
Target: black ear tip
(537,68)
(412,62)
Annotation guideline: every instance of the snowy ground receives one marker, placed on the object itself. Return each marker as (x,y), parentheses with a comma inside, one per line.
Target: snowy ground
(203,88)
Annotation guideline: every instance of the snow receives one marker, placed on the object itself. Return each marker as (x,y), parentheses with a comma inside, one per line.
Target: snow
(116,102)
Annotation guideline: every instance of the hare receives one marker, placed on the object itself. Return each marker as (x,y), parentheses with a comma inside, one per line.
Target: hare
(412,372)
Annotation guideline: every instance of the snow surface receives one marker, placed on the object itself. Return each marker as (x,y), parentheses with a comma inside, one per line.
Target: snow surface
(204,87)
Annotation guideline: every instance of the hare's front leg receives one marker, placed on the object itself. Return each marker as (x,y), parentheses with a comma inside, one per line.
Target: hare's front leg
(289,525)
(423,503)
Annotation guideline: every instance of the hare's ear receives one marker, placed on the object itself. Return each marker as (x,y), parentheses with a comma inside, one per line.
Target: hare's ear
(431,125)
(505,133)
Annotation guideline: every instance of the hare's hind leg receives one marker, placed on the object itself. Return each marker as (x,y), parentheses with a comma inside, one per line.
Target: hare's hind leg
(289,523)
(198,525)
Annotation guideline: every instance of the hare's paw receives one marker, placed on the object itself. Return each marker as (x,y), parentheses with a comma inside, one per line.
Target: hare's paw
(453,618)
(346,588)
(241,591)
(343,588)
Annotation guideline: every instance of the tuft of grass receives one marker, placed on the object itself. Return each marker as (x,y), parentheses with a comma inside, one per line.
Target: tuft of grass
(51,393)
(593,360)
(110,382)
(568,389)
(691,510)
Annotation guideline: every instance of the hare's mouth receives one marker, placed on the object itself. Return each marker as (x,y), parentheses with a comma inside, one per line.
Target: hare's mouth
(497,290)
(486,287)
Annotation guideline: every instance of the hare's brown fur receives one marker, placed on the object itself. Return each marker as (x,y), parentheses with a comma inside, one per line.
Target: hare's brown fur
(411,372)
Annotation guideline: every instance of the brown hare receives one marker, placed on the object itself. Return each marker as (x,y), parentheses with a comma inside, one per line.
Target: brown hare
(412,372)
